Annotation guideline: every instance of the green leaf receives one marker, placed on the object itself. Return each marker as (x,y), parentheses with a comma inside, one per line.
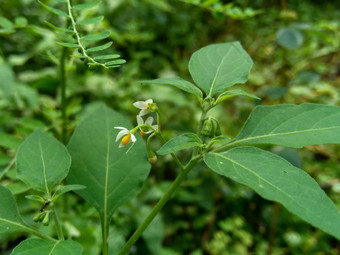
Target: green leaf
(67,188)
(289,38)
(6,23)
(291,125)
(276,179)
(6,74)
(9,141)
(68,45)
(99,48)
(42,161)
(35,198)
(96,37)
(60,29)
(103,57)
(112,176)
(43,247)
(10,219)
(54,10)
(90,20)
(115,62)
(180,142)
(217,67)
(85,6)
(178,83)
(233,93)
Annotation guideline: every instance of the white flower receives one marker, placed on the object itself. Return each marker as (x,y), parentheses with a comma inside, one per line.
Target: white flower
(148,121)
(144,106)
(126,136)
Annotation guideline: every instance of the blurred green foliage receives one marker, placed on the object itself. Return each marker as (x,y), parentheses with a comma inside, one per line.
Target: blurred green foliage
(295,48)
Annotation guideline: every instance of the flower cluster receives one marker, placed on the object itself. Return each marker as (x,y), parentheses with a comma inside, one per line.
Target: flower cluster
(145,127)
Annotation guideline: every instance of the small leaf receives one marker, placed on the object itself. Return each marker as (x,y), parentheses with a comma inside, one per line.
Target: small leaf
(276,179)
(233,93)
(180,142)
(85,6)
(43,162)
(103,57)
(115,62)
(61,29)
(96,37)
(54,10)
(35,198)
(99,48)
(10,219)
(68,45)
(178,83)
(289,38)
(6,23)
(43,247)
(113,66)
(216,67)
(67,188)
(291,125)
(9,141)
(90,20)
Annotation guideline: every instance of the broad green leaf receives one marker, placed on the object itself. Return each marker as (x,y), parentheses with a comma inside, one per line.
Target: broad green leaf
(291,125)
(61,29)
(178,83)
(103,57)
(115,62)
(99,48)
(180,142)
(96,37)
(90,20)
(9,141)
(54,10)
(233,93)
(276,179)
(10,219)
(43,247)
(68,45)
(289,38)
(112,176)
(67,188)
(42,161)
(85,6)
(217,67)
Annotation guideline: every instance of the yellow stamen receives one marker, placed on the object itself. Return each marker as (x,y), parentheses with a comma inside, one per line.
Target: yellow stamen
(142,133)
(126,139)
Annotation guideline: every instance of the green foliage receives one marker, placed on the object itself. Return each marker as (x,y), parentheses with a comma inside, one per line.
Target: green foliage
(181,142)
(39,246)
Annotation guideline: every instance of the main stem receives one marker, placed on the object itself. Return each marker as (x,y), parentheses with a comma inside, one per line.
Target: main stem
(158,207)
(63,103)
(105,235)
(57,224)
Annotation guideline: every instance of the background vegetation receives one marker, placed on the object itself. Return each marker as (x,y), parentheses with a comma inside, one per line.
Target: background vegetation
(209,215)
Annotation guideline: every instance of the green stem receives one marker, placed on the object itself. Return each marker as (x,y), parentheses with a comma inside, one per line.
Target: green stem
(105,235)
(57,224)
(158,206)
(63,104)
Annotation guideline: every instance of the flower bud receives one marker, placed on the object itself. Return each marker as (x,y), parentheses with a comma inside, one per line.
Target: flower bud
(153,159)
(211,128)
(46,219)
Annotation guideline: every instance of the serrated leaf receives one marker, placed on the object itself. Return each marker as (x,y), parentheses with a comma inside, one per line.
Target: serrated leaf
(85,6)
(103,57)
(181,142)
(90,20)
(289,38)
(42,161)
(276,179)
(291,125)
(115,62)
(233,93)
(96,37)
(111,175)
(10,219)
(43,247)
(178,83)
(68,45)
(99,48)
(67,188)
(61,29)
(54,10)
(216,67)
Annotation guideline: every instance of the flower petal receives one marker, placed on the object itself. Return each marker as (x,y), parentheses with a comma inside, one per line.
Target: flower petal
(149,101)
(133,138)
(149,121)
(143,112)
(140,120)
(140,104)
(121,134)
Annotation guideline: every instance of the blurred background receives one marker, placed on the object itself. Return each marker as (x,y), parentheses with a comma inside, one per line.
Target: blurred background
(295,46)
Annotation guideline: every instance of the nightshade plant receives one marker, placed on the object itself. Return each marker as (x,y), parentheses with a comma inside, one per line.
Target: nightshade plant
(106,162)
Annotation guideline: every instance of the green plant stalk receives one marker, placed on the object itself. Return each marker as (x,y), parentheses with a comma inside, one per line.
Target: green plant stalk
(63,103)
(158,206)
(57,223)
(37,233)
(105,235)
